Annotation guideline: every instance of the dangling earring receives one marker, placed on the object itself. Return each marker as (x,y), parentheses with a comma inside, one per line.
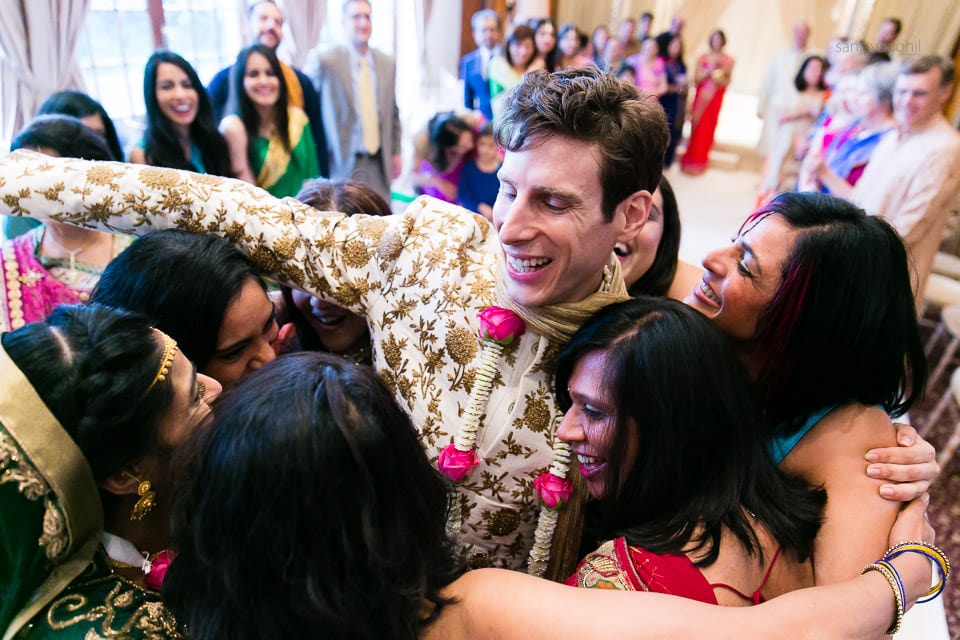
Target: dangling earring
(147,501)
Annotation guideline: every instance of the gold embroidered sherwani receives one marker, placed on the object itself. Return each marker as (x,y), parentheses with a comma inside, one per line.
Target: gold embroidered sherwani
(419,278)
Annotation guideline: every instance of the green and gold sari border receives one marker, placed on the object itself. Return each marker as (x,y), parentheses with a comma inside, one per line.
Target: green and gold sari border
(37,454)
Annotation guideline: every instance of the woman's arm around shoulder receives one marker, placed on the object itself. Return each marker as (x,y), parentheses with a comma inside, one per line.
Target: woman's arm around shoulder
(856,517)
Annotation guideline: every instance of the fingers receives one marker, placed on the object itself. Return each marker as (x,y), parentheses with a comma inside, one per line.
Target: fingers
(911,523)
(285,339)
(921,452)
(906,481)
(906,434)
(916,472)
(904,491)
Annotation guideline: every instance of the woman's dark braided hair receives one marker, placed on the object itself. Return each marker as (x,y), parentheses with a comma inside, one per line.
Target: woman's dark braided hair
(93,366)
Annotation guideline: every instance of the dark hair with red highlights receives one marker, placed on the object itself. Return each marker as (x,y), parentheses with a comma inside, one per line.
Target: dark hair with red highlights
(842,326)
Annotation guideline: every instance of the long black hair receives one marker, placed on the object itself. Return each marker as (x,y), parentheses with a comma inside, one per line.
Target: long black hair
(658,278)
(308,508)
(183,281)
(701,464)
(445,129)
(161,146)
(244,105)
(64,134)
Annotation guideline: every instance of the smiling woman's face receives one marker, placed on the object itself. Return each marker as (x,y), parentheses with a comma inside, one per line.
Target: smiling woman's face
(246,336)
(339,330)
(637,256)
(589,423)
(741,278)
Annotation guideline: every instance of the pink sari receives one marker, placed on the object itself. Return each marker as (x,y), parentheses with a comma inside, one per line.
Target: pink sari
(30,292)
(705,114)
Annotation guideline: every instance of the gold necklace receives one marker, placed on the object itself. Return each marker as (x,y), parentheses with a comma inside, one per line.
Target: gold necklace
(73,253)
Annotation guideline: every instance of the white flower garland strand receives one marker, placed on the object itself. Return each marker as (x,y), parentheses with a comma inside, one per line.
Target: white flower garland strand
(547,522)
(466,438)
(466,441)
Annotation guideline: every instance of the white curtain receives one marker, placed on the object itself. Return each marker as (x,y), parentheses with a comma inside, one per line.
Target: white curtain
(304,19)
(37,43)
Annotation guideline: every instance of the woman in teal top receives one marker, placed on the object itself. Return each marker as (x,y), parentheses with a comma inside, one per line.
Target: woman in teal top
(270,141)
(181,132)
(816,296)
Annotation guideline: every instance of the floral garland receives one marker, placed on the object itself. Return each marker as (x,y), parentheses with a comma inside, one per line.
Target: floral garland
(499,327)
(554,489)
(124,555)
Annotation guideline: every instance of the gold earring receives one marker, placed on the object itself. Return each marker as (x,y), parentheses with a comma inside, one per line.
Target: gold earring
(147,501)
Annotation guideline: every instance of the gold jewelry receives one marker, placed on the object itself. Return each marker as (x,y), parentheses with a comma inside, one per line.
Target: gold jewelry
(72,253)
(119,564)
(166,360)
(147,501)
(930,551)
(202,387)
(884,569)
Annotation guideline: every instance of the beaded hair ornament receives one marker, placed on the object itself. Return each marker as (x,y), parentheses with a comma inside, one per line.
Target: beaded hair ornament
(166,360)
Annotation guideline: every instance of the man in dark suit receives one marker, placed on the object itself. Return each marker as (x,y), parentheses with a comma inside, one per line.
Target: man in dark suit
(474,65)
(360,118)
(265,26)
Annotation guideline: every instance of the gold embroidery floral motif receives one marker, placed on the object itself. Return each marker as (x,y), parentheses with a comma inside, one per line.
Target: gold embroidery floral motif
(151,618)
(537,413)
(103,175)
(461,346)
(154,178)
(53,193)
(355,254)
(502,522)
(14,468)
(13,202)
(428,272)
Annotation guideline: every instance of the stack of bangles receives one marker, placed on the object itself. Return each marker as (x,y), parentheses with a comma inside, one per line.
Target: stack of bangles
(888,571)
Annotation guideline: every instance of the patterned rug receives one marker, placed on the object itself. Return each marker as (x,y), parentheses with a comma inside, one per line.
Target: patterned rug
(944,510)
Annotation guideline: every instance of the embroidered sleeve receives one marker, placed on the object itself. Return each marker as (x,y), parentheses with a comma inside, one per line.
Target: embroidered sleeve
(600,569)
(336,257)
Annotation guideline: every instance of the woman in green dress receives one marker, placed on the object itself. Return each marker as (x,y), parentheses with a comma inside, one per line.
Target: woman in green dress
(269,141)
(93,403)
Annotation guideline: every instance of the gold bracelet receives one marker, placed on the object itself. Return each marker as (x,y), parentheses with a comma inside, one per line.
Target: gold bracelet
(930,551)
(886,572)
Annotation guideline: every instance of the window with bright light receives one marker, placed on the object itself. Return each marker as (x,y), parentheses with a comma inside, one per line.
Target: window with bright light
(118,37)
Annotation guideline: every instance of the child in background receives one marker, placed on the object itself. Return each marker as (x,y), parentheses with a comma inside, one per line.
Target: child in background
(478,182)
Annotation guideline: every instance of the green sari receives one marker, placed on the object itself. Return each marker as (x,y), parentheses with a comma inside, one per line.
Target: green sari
(280,172)
(55,581)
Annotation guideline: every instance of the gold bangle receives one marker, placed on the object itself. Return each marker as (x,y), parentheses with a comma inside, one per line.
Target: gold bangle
(933,553)
(886,572)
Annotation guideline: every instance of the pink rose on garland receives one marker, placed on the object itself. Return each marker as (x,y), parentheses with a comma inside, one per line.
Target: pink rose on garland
(456,464)
(500,325)
(158,569)
(554,491)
